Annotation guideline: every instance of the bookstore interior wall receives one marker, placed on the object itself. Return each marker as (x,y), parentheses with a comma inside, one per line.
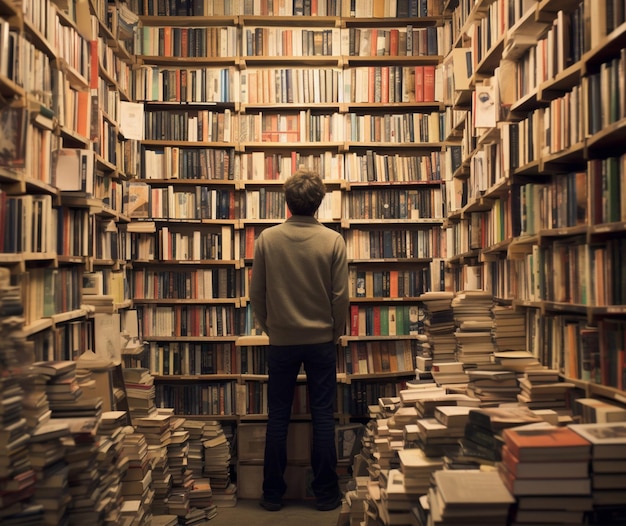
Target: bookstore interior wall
(466,145)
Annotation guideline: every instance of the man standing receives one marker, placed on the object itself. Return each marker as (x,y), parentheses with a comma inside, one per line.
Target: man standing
(299,295)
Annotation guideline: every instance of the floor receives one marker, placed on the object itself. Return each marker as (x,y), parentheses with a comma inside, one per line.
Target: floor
(300,513)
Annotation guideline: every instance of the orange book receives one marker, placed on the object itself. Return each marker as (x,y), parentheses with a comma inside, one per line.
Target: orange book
(544,442)
(167,41)
(419,83)
(184,42)
(394,39)
(393,283)
(429,83)
(83,113)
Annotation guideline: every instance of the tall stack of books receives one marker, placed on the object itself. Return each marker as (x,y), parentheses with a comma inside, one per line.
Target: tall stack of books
(156,428)
(112,464)
(217,464)
(47,451)
(137,482)
(439,325)
(84,483)
(182,479)
(509,328)
(608,469)
(140,391)
(472,317)
(546,468)
(17,478)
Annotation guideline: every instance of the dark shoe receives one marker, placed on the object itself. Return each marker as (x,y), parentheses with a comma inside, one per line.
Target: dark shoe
(329,505)
(269,505)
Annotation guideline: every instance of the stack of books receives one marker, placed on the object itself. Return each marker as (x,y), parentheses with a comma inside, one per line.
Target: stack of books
(509,328)
(472,316)
(541,389)
(417,470)
(140,391)
(439,325)
(47,451)
(201,498)
(608,469)
(217,458)
(546,468)
(195,456)
(85,485)
(482,438)
(112,464)
(17,478)
(137,489)
(182,479)
(450,375)
(493,387)
(518,361)
(468,497)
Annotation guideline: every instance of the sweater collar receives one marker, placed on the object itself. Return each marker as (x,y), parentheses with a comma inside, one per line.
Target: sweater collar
(303,219)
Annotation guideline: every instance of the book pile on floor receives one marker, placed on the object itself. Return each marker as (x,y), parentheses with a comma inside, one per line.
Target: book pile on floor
(540,462)
(439,325)
(474,324)
(509,328)
(112,464)
(217,458)
(608,469)
(541,388)
(470,497)
(493,387)
(137,481)
(140,391)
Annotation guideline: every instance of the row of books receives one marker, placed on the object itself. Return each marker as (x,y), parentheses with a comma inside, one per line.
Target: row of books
(181,284)
(171,41)
(189,320)
(379,244)
(395,204)
(388,8)
(190,125)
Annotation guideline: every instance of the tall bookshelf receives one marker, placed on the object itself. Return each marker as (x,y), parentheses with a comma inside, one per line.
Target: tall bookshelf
(534,213)
(62,166)
(287,95)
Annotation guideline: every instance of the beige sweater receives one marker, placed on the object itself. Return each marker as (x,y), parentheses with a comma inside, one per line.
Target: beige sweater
(299,285)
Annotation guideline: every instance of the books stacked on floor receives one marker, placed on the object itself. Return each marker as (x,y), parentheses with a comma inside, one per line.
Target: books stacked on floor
(433,437)
(112,464)
(217,458)
(17,478)
(493,387)
(197,434)
(608,469)
(543,461)
(182,479)
(450,375)
(47,453)
(417,469)
(355,498)
(35,405)
(594,410)
(426,406)
(518,361)
(474,323)
(482,437)
(156,428)
(471,497)
(140,391)
(509,328)
(84,483)
(439,325)
(541,388)
(423,358)
(201,497)
(137,481)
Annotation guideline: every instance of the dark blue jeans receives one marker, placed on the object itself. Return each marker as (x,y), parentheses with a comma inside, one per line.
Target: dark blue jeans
(320,365)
